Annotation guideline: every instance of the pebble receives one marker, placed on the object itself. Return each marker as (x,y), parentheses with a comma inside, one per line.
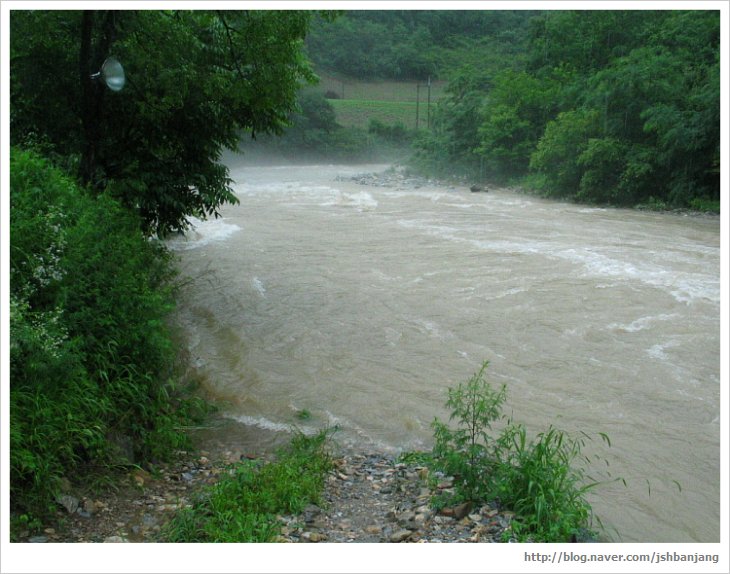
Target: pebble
(314,536)
(400,535)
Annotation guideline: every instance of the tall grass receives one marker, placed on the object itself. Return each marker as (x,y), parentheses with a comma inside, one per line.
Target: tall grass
(244,505)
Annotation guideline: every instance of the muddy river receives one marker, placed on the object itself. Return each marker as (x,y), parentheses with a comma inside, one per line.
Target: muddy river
(318,300)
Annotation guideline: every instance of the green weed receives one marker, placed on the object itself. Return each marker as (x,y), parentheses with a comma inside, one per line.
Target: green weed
(538,479)
(244,505)
(304,415)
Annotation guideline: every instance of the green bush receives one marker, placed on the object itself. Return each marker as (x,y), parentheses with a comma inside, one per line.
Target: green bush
(537,479)
(395,133)
(709,205)
(90,354)
(540,481)
(556,156)
(602,161)
(468,452)
(244,505)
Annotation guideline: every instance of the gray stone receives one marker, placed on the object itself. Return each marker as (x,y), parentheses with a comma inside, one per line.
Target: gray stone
(400,535)
(115,539)
(406,517)
(70,503)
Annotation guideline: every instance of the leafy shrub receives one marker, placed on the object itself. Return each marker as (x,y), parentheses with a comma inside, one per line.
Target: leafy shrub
(540,482)
(557,153)
(701,204)
(653,204)
(89,349)
(537,479)
(396,133)
(243,506)
(467,452)
(602,161)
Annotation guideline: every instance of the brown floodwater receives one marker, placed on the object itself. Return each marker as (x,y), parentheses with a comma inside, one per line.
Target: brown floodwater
(361,305)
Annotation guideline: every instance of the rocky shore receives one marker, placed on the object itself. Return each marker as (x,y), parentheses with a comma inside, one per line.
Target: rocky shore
(400,179)
(367,498)
(372,498)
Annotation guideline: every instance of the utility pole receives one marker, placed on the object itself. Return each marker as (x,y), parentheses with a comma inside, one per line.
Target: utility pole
(418,97)
(428,107)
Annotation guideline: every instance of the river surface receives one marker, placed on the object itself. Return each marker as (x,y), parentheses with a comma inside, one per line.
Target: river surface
(361,305)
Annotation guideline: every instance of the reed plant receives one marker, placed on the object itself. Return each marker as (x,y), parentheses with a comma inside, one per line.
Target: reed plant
(541,480)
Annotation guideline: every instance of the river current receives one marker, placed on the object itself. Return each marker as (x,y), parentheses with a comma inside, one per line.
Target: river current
(360,305)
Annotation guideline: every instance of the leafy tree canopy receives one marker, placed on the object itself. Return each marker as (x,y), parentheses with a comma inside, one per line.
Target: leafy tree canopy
(414,44)
(195,81)
(619,107)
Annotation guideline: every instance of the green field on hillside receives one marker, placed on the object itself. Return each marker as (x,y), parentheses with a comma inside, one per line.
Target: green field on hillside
(391,102)
(389,91)
(358,113)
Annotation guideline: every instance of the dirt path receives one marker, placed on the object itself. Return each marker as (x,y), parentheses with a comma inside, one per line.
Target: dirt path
(367,498)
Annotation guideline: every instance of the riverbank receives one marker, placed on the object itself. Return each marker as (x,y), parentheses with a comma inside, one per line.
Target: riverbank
(368,497)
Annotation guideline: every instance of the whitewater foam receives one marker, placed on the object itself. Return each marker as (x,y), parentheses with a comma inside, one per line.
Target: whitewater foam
(259,286)
(202,232)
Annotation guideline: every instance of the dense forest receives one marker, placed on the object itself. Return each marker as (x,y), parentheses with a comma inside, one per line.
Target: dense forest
(617,107)
(610,107)
(415,44)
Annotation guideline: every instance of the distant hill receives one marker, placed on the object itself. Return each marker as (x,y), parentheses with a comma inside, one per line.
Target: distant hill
(415,44)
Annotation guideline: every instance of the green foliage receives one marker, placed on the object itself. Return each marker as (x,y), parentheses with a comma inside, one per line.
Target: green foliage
(557,153)
(602,163)
(537,479)
(709,205)
(451,145)
(304,415)
(413,44)
(467,452)
(394,133)
(195,80)
(244,505)
(512,120)
(541,482)
(607,107)
(89,348)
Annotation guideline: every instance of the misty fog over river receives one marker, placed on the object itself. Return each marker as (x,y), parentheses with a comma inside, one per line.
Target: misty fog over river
(362,304)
